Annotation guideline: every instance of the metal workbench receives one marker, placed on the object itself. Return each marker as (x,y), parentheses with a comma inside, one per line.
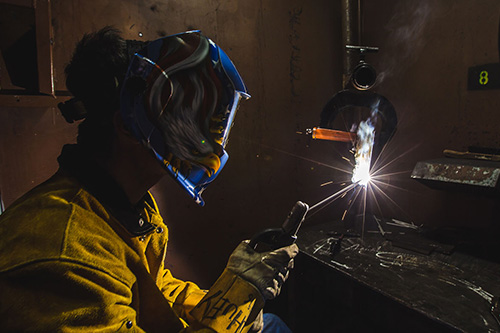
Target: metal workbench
(401,281)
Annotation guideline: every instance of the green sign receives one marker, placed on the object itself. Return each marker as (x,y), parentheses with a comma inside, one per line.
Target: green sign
(484,77)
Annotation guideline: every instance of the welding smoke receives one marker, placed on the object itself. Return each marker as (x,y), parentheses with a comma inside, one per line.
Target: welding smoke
(406,36)
(364,147)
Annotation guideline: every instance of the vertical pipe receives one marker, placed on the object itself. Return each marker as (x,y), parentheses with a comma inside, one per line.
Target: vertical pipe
(360,23)
(350,35)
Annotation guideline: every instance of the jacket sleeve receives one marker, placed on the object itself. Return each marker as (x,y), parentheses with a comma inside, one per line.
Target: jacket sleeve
(54,295)
(231,305)
(182,295)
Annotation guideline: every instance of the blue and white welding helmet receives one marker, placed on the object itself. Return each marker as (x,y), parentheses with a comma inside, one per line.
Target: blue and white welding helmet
(179,98)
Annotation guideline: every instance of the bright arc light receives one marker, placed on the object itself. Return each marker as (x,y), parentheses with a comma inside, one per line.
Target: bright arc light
(363,154)
(362,175)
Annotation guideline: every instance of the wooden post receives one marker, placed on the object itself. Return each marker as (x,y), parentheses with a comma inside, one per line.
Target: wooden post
(44,41)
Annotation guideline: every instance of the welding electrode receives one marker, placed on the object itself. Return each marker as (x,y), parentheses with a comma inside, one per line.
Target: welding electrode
(331,135)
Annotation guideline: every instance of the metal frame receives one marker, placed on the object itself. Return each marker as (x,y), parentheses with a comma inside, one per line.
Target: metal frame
(44,41)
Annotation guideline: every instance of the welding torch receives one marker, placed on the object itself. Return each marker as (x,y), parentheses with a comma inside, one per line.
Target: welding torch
(287,235)
(275,238)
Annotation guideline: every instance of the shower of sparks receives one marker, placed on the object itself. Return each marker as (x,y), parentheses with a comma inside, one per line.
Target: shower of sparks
(361,169)
(361,176)
(367,177)
(333,197)
(365,184)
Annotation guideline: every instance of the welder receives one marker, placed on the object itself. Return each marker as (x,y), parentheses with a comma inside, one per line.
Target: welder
(85,250)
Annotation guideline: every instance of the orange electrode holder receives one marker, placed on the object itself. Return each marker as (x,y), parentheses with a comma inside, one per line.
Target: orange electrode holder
(331,135)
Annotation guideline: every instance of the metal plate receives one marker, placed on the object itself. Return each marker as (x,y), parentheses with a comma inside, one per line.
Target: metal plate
(461,174)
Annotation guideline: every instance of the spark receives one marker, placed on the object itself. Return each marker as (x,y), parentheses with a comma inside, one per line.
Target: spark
(395,173)
(302,158)
(353,198)
(379,170)
(379,182)
(348,160)
(325,202)
(379,190)
(364,213)
(372,192)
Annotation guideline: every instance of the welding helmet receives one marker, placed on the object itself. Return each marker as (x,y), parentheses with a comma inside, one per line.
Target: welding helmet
(179,98)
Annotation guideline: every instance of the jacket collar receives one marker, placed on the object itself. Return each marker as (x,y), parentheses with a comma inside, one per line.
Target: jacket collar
(103,187)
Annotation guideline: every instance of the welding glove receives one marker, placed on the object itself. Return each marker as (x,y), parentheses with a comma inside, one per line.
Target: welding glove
(267,271)
(258,323)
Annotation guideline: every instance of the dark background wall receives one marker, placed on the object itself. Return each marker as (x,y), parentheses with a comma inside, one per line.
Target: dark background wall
(290,55)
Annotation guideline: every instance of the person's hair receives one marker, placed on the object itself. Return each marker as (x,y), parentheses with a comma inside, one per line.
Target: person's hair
(97,67)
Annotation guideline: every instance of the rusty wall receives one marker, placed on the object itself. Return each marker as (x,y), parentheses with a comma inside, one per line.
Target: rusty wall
(426,48)
(290,55)
(30,141)
(285,51)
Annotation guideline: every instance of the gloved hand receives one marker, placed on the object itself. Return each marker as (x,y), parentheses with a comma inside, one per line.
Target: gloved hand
(258,323)
(267,270)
